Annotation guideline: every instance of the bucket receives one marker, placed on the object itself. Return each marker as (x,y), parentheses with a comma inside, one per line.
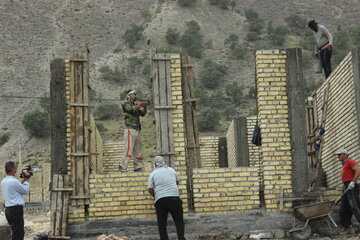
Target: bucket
(317,66)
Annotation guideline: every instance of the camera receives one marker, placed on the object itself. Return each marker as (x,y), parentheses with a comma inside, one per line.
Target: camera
(27,172)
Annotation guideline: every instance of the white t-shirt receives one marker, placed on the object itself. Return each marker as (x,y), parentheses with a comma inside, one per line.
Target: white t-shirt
(163,181)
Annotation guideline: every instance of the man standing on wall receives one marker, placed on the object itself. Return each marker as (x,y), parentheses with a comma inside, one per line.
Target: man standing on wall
(12,191)
(132,113)
(163,187)
(323,45)
(350,202)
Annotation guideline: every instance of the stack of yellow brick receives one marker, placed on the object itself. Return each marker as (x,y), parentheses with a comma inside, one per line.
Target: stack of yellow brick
(341,126)
(226,191)
(209,152)
(113,154)
(273,119)
(254,151)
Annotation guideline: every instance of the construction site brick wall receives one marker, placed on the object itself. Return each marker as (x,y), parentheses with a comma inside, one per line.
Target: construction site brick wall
(96,148)
(124,195)
(341,119)
(254,151)
(209,152)
(273,118)
(226,191)
(39,183)
(232,134)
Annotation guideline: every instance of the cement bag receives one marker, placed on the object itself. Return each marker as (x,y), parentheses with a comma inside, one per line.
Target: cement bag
(317,66)
(3,221)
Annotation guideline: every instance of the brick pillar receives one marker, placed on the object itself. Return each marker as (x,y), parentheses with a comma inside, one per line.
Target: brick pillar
(178,125)
(274,123)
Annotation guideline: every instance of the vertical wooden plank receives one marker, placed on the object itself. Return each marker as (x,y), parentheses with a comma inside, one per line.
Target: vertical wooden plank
(155,85)
(53,206)
(58,220)
(169,112)
(163,93)
(73,124)
(86,115)
(64,207)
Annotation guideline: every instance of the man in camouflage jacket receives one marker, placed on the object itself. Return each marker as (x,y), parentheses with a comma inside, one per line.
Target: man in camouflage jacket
(132,113)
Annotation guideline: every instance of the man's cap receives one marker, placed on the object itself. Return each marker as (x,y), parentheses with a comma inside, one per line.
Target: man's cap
(342,151)
(131,92)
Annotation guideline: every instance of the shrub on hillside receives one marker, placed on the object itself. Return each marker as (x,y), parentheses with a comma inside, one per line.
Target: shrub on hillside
(133,34)
(307,42)
(146,70)
(37,123)
(296,23)
(234,91)
(278,34)
(355,35)
(185,3)
(223,4)
(209,119)
(133,62)
(101,127)
(107,111)
(252,36)
(45,104)
(238,52)
(192,40)
(212,74)
(172,36)
(4,138)
(256,24)
(146,14)
(232,40)
(114,75)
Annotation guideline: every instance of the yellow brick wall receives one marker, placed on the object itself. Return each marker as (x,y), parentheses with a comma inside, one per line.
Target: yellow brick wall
(273,119)
(225,190)
(209,152)
(254,151)
(96,148)
(341,126)
(231,145)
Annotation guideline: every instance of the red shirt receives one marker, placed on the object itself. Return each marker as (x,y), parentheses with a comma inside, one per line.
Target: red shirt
(347,173)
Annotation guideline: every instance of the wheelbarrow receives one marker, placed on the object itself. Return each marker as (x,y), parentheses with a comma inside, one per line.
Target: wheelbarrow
(310,212)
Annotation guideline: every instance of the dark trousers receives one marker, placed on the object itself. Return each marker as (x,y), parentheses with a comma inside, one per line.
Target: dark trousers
(15,218)
(350,204)
(325,56)
(174,206)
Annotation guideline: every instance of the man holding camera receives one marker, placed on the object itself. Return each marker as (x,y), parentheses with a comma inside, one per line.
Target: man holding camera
(13,191)
(132,113)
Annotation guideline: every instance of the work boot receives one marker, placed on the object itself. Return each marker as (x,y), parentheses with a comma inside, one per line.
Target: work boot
(122,169)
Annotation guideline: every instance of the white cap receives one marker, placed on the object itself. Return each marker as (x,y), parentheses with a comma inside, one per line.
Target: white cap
(342,151)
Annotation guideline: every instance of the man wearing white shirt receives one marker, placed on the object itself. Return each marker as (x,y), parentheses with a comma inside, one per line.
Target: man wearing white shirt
(163,186)
(323,45)
(13,191)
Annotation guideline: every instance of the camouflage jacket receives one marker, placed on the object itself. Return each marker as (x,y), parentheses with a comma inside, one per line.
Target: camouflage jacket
(132,116)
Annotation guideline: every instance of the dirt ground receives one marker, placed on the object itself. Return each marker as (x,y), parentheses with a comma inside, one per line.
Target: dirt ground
(34,224)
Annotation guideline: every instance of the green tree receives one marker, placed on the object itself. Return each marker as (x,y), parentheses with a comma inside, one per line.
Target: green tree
(192,40)
(355,35)
(212,74)
(146,70)
(4,138)
(308,42)
(256,24)
(172,36)
(45,104)
(37,123)
(132,35)
(234,91)
(107,111)
(115,75)
(209,119)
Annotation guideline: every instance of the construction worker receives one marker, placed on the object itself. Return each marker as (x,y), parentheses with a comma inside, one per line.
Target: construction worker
(323,45)
(13,191)
(350,202)
(132,113)
(163,186)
